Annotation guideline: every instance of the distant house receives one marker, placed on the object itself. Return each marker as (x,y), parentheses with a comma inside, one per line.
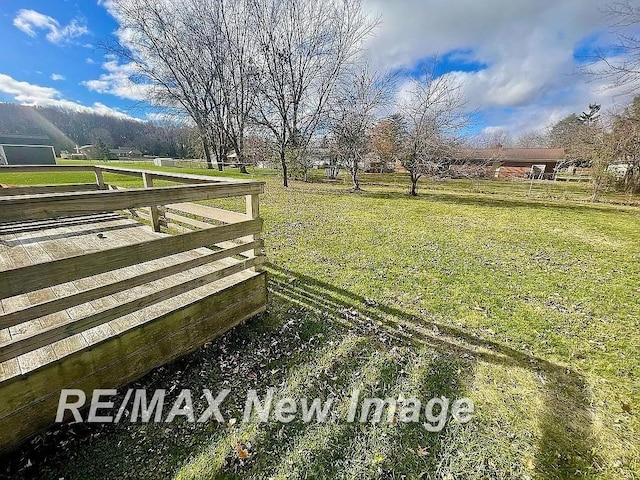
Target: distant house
(320,158)
(26,150)
(85,151)
(508,163)
(125,152)
(374,164)
(91,152)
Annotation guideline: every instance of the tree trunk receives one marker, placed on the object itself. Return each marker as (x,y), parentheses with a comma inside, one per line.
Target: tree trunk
(632,178)
(414,185)
(207,153)
(221,156)
(354,179)
(241,165)
(283,162)
(596,189)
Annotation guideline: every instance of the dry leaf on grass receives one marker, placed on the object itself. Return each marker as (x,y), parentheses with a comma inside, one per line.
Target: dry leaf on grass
(422,452)
(243,453)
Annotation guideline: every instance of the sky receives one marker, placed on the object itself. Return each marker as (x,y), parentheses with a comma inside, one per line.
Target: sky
(518,61)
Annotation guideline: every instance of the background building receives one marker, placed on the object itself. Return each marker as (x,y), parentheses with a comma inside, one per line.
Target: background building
(26,150)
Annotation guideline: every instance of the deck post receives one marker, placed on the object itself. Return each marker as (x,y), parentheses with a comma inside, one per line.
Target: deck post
(99,178)
(174,292)
(147,178)
(253,212)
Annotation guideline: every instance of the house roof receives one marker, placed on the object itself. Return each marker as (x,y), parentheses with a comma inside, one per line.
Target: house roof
(513,154)
(125,150)
(11,139)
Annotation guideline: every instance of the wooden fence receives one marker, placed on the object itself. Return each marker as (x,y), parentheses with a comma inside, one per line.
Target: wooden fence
(227,243)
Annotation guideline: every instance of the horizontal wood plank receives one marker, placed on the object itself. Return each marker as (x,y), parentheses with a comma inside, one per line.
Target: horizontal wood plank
(173,177)
(62,303)
(45,168)
(40,189)
(34,277)
(36,207)
(225,216)
(20,227)
(9,350)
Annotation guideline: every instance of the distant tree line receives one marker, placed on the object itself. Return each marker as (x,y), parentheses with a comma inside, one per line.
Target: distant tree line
(68,128)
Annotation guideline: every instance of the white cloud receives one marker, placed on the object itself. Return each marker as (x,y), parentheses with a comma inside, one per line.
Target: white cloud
(56,77)
(29,94)
(117,81)
(531,77)
(29,21)
(90,61)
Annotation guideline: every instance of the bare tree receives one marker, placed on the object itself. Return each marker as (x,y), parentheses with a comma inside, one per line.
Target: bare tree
(167,61)
(302,49)
(494,138)
(192,57)
(234,72)
(473,163)
(360,97)
(588,140)
(433,112)
(625,135)
(622,70)
(258,150)
(598,148)
(533,139)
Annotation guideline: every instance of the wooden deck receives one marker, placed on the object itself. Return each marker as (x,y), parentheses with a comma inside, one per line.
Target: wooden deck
(94,299)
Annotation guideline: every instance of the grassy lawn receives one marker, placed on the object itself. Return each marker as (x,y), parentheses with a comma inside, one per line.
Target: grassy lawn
(529,305)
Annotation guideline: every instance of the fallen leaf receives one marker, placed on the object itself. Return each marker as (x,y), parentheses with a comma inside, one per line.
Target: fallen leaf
(243,453)
(626,407)
(529,464)
(422,452)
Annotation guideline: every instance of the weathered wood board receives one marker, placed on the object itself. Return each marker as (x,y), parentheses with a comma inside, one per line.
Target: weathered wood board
(30,401)
(96,300)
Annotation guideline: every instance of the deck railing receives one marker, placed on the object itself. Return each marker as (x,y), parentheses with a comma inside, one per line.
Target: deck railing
(136,290)
(229,234)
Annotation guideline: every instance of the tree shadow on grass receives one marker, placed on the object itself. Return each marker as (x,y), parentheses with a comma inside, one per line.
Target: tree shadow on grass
(501,201)
(567,447)
(339,449)
(311,355)
(302,355)
(483,199)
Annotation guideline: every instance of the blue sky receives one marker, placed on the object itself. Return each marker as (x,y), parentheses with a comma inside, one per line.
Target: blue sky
(517,60)
(56,44)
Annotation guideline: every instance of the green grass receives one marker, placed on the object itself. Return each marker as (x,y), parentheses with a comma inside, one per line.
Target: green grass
(529,305)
